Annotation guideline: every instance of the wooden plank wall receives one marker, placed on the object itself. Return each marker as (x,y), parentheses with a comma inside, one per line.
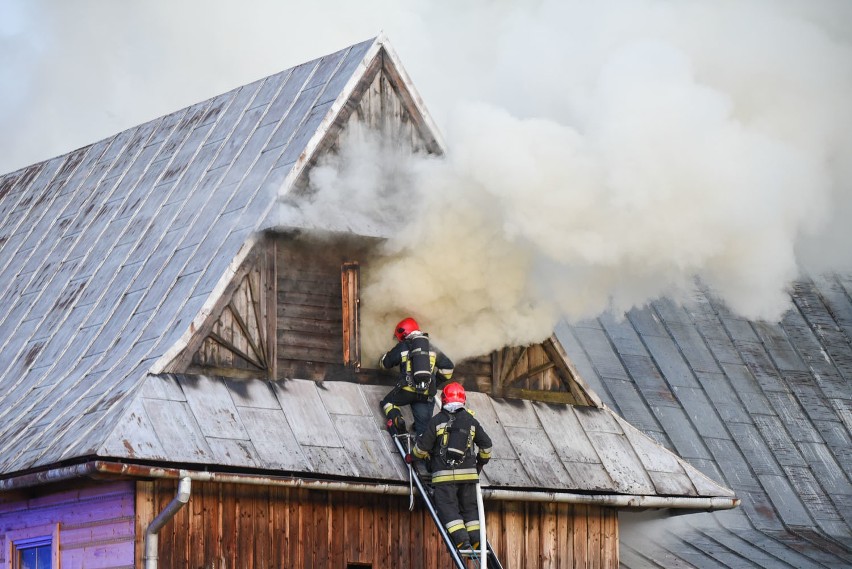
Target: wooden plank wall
(228,526)
(310,306)
(382,109)
(96,522)
(310,315)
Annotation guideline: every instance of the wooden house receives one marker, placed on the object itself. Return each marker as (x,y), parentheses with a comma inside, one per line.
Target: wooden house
(179,370)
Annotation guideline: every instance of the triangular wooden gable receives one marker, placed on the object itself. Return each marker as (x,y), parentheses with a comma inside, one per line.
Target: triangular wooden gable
(382,99)
(539,372)
(238,337)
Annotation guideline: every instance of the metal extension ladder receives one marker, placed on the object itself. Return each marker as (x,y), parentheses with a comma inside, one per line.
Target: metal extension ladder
(482,558)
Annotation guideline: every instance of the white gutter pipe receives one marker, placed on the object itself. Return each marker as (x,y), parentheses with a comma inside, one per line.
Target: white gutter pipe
(152,538)
(615,500)
(103,468)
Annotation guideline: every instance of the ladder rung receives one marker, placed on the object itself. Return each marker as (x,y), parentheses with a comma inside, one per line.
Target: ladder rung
(473,552)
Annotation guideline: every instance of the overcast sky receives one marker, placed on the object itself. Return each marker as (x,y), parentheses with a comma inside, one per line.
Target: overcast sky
(626,146)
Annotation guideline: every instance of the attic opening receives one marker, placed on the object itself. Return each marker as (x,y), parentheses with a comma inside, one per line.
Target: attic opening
(293,311)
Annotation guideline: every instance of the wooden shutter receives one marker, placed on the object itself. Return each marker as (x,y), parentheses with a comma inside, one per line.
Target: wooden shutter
(350,275)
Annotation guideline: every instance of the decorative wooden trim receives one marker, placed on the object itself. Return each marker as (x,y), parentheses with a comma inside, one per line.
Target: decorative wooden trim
(269,304)
(257,294)
(410,97)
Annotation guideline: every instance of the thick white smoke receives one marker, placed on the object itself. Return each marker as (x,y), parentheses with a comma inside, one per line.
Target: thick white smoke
(599,154)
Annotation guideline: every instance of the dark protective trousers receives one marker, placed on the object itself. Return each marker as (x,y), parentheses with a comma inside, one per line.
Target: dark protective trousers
(421,406)
(456,505)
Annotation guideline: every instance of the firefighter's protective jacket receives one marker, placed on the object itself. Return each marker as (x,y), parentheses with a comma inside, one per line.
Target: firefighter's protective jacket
(433,442)
(442,366)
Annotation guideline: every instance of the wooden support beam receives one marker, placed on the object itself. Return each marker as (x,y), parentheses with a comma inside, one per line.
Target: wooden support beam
(241,324)
(535,371)
(515,362)
(496,379)
(220,340)
(540,395)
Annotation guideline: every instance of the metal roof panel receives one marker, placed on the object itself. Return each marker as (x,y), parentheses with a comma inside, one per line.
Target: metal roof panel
(306,413)
(273,439)
(213,407)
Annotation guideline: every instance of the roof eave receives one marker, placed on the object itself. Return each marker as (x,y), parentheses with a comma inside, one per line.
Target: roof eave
(99,469)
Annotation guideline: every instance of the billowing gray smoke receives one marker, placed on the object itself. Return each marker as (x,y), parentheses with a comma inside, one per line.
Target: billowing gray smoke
(599,154)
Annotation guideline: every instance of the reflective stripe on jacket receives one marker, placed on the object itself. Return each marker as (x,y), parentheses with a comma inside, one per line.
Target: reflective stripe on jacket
(441,365)
(429,446)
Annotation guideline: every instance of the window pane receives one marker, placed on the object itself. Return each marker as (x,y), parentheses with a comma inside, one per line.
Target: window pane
(28,558)
(43,557)
(34,557)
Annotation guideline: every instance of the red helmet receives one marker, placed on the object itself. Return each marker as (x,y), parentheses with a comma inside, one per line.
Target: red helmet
(404,328)
(453,393)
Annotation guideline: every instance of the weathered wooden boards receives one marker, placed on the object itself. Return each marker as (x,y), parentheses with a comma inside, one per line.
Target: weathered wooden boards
(227,525)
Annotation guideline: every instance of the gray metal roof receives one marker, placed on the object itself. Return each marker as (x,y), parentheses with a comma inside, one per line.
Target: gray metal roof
(765,408)
(337,429)
(108,253)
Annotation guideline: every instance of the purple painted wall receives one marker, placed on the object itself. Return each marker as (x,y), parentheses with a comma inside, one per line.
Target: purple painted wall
(94,522)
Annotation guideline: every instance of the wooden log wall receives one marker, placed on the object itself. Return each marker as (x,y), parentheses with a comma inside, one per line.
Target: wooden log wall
(229,526)
(94,522)
(310,307)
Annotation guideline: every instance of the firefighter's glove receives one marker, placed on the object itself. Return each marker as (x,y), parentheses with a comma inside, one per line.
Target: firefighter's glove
(479,464)
(396,426)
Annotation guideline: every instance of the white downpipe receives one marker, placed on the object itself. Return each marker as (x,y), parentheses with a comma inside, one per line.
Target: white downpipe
(152,538)
(483,537)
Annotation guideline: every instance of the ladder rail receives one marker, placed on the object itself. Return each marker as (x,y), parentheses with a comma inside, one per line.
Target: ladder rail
(495,561)
(483,535)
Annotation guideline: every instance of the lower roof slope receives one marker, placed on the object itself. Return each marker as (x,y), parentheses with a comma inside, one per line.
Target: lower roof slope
(765,408)
(336,429)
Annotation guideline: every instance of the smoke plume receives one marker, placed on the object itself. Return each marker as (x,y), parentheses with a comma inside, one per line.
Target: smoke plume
(599,154)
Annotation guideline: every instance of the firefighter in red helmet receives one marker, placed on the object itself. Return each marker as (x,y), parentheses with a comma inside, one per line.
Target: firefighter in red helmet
(421,367)
(457,447)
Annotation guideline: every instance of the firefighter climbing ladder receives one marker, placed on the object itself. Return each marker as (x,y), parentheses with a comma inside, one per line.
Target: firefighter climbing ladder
(481,558)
